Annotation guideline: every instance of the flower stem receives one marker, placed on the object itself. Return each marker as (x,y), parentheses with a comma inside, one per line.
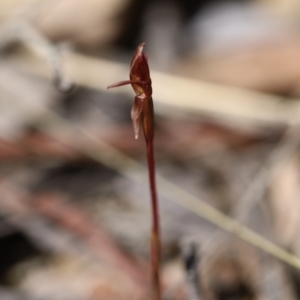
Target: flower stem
(155,233)
(142,112)
(148,126)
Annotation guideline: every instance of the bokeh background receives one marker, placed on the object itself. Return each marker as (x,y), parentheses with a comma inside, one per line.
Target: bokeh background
(74,196)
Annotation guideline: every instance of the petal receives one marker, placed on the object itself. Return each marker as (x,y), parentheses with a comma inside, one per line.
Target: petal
(120,83)
(139,69)
(136,113)
(137,53)
(133,83)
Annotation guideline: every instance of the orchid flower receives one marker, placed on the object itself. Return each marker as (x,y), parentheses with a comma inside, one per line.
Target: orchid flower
(142,109)
(142,113)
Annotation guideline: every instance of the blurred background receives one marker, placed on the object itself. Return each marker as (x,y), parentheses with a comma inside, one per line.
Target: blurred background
(74,196)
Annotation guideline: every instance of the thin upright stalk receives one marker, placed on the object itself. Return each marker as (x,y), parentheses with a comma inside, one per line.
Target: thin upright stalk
(142,112)
(149,129)
(155,233)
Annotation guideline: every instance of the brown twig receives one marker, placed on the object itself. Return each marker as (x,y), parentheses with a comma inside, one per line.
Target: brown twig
(242,107)
(175,139)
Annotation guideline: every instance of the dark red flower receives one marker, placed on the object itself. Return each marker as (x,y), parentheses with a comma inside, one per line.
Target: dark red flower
(142,109)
